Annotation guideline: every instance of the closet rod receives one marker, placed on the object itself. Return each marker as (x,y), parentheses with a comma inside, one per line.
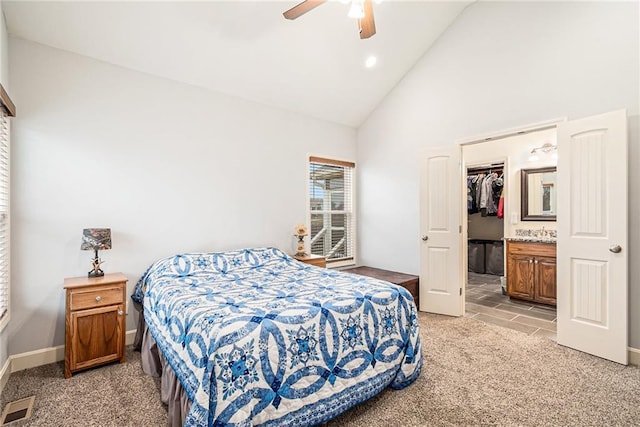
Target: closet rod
(485,169)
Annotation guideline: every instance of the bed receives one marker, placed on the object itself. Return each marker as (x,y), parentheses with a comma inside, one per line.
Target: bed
(255,337)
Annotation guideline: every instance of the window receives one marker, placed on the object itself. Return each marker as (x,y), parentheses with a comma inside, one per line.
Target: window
(331,207)
(6,109)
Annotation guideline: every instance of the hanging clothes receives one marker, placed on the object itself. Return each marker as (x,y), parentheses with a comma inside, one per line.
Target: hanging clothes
(483,193)
(501,205)
(478,185)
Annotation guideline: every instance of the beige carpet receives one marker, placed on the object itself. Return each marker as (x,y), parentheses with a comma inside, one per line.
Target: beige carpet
(474,374)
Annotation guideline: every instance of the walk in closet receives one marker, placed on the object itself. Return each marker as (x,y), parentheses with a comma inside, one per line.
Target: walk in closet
(485,214)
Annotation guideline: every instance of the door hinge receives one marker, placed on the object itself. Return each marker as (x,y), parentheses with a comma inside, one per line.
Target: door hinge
(460,229)
(460,291)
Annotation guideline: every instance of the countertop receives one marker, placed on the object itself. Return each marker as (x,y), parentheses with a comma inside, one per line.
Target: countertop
(531,239)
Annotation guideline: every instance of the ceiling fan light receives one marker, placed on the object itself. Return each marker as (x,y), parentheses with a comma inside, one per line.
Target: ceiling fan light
(371,61)
(356,11)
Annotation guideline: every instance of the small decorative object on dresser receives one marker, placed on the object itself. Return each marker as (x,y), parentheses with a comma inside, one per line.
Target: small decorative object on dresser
(317,260)
(96,239)
(407,281)
(94,321)
(300,231)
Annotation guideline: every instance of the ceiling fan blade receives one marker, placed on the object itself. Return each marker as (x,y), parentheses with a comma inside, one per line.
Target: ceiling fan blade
(367,24)
(302,8)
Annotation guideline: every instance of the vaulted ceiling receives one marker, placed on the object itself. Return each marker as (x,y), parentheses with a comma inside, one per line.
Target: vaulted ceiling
(313,65)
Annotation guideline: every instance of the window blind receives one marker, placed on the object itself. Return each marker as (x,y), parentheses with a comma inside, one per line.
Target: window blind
(4,213)
(332,228)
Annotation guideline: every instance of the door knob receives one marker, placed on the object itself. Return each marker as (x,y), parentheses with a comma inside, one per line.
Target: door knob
(615,249)
(425,238)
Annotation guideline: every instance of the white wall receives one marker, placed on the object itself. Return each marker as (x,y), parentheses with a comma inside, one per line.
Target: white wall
(500,65)
(169,167)
(4,79)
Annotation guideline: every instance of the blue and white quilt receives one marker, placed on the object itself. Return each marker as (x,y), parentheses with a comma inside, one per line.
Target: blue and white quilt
(258,338)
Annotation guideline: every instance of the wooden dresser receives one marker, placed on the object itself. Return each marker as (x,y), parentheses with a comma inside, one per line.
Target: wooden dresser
(94,321)
(317,260)
(407,281)
(531,271)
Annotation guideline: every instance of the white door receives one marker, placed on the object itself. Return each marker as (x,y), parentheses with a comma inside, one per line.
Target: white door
(592,235)
(440,270)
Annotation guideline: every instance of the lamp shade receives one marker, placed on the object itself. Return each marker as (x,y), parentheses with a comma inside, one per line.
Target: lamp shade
(96,238)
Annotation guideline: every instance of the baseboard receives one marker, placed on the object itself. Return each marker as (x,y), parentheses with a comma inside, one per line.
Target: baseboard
(44,356)
(4,374)
(31,359)
(130,336)
(634,356)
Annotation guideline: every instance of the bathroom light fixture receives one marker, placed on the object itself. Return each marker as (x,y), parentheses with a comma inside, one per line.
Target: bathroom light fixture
(546,148)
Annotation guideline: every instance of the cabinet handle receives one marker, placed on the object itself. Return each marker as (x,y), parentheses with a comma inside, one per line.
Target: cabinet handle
(530,261)
(535,262)
(120,312)
(98,298)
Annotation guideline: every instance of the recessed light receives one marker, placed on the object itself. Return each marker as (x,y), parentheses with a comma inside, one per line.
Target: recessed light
(371,61)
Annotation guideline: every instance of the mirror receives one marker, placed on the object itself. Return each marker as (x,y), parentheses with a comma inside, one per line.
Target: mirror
(538,194)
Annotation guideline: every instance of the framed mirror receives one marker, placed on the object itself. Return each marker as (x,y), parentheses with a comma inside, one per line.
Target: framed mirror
(538,194)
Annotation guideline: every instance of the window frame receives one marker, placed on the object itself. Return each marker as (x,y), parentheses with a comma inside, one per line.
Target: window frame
(334,161)
(9,110)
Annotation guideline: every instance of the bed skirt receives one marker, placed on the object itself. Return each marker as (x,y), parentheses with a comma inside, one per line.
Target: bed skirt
(154,364)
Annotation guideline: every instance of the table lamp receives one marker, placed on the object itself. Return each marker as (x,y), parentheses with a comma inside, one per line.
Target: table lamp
(96,239)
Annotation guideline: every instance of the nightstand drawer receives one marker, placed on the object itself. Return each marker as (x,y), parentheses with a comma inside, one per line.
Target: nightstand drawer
(81,299)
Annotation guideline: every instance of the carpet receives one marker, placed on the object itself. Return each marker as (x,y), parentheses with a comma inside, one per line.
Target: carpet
(474,374)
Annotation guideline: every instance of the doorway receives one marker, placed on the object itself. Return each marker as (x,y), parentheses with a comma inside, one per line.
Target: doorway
(493,213)
(591,229)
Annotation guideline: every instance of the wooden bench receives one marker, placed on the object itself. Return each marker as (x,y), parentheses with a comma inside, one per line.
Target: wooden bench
(407,281)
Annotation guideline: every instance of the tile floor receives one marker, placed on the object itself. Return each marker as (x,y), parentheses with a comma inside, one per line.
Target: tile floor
(485,302)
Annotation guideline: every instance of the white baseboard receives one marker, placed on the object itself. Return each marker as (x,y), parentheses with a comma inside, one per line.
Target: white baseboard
(44,356)
(634,356)
(4,374)
(32,359)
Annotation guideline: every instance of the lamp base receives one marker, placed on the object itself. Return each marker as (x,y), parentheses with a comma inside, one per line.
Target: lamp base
(300,249)
(95,263)
(95,273)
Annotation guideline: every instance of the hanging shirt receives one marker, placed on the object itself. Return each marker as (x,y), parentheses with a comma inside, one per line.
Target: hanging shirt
(486,199)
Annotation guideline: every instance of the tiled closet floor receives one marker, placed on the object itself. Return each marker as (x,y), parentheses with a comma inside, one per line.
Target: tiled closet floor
(485,302)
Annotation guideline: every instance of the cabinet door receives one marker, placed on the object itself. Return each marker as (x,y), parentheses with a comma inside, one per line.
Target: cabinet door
(520,277)
(97,336)
(545,288)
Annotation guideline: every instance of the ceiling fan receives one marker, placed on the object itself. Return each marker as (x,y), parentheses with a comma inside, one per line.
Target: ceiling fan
(362,10)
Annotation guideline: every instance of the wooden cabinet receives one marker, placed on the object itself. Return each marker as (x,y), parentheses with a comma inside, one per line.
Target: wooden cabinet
(317,260)
(531,271)
(94,321)
(407,281)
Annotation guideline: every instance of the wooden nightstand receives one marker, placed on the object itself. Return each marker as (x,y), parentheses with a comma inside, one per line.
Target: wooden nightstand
(317,260)
(407,281)
(94,321)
